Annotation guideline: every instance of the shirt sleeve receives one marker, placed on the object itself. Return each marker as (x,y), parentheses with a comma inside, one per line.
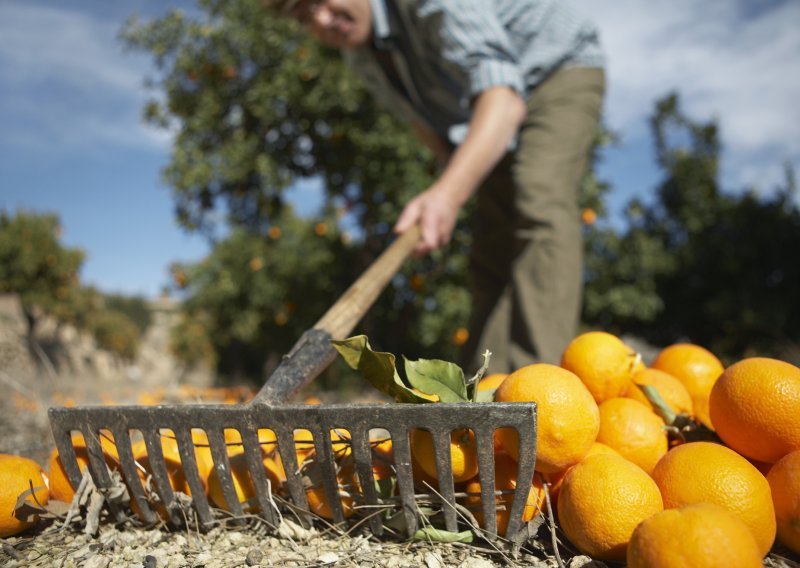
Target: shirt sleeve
(474,40)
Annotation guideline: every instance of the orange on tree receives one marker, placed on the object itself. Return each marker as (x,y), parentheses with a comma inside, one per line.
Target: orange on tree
(463,453)
(603,362)
(701,535)
(17,475)
(755,407)
(700,472)
(784,481)
(505,480)
(568,418)
(697,368)
(601,502)
(670,389)
(60,487)
(633,430)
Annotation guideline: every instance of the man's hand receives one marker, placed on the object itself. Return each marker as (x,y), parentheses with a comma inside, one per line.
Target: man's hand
(435,211)
(496,116)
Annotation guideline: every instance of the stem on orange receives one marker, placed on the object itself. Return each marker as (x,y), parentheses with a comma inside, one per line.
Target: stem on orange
(659,406)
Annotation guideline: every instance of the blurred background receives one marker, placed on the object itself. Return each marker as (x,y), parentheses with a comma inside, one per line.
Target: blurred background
(187,186)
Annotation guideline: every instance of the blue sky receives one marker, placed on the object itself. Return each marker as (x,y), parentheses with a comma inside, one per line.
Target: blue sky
(72,141)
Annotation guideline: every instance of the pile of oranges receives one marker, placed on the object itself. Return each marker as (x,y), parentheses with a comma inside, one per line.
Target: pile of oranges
(630,487)
(680,463)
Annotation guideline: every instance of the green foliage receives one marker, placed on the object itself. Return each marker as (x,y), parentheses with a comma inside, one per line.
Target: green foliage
(34,264)
(258,106)
(253,296)
(134,307)
(699,264)
(115,332)
(44,273)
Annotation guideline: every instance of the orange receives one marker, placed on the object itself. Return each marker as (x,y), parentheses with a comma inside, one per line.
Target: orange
(633,430)
(17,475)
(603,362)
(242,483)
(492,381)
(266,438)
(568,419)
(601,502)
(700,472)
(346,487)
(701,535)
(463,453)
(556,479)
(697,368)
(784,481)
(755,407)
(505,480)
(60,487)
(670,389)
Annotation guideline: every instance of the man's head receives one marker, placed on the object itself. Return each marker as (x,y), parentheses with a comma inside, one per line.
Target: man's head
(341,24)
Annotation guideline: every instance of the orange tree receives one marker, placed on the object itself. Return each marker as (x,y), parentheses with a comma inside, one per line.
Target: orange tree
(697,262)
(36,266)
(257,107)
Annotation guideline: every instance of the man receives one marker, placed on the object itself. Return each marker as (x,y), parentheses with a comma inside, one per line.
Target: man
(507,94)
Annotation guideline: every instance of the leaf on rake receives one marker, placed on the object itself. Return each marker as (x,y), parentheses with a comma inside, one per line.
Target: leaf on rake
(485,395)
(432,534)
(436,377)
(377,367)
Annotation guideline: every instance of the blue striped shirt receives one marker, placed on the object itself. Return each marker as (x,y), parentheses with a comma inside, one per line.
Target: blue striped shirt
(443,53)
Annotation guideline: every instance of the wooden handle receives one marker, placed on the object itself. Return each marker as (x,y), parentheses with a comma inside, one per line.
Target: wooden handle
(348,310)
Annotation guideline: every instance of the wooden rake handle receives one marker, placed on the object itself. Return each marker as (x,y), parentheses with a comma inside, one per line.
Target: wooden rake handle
(342,317)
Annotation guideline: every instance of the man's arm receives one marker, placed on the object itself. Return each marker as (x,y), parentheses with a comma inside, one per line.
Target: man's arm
(441,150)
(496,116)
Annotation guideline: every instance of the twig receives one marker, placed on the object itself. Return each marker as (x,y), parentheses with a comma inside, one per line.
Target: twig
(552,523)
(16,386)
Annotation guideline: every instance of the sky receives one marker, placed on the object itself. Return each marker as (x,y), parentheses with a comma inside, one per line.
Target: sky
(72,141)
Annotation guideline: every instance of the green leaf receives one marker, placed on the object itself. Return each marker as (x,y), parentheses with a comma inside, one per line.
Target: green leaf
(377,367)
(432,534)
(441,378)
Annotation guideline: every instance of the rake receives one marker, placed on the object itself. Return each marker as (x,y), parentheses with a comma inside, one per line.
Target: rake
(269,409)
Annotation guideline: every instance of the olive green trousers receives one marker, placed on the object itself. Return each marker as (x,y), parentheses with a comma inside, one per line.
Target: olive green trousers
(527,261)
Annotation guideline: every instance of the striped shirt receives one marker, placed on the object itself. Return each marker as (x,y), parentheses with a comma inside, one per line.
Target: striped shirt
(429,58)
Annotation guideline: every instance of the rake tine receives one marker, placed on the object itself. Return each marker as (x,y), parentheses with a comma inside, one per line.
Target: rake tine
(330,481)
(255,465)
(66,453)
(444,469)
(99,471)
(288,455)
(189,463)
(129,471)
(405,477)
(527,453)
(222,467)
(484,438)
(362,454)
(158,467)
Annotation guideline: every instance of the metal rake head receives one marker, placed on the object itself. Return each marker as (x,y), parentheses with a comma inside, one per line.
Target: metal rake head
(127,425)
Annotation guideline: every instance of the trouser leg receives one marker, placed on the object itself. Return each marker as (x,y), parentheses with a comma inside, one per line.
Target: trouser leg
(526,264)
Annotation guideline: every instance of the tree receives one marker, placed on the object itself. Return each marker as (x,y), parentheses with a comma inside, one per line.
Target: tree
(257,106)
(700,264)
(34,264)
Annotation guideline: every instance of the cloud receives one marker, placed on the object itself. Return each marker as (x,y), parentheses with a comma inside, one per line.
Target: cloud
(725,59)
(67,83)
